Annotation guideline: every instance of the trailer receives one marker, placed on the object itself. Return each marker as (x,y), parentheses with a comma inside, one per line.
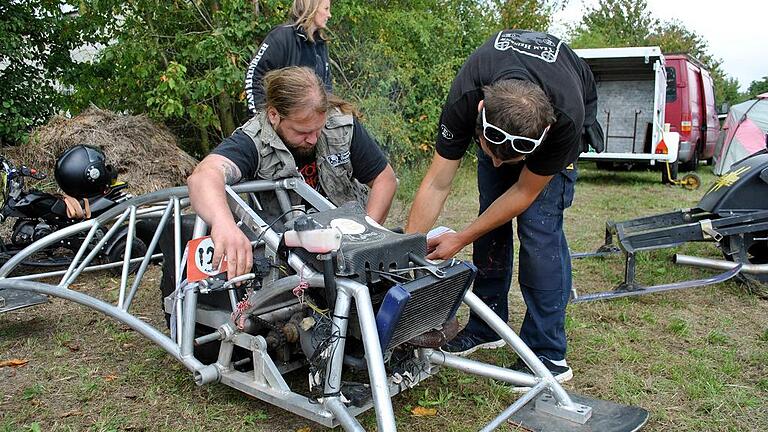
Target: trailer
(631,87)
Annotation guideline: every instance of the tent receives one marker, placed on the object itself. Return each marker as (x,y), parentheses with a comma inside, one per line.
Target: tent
(743,134)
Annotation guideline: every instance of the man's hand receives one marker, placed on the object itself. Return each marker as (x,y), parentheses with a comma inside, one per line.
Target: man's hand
(230,242)
(208,198)
(445,246)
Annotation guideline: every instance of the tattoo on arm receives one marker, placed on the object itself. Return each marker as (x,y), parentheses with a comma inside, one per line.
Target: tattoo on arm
(231,172)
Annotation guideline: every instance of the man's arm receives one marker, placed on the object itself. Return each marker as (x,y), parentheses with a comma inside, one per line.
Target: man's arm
(370,166)
(509,205)
(432,193)
(383,189)
(208,198)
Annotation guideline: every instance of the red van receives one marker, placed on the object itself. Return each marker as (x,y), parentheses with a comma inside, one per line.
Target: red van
(690,110)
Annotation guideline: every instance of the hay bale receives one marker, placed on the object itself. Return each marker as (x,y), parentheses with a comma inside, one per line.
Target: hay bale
(145,153)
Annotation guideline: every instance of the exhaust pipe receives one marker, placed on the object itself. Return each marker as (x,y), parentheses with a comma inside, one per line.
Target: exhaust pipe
(719,264)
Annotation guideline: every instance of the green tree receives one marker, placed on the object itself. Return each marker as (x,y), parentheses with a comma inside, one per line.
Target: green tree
(527,14)
(35,39)
(620,23)
(397,59)
(181,62)
(727,92)
(614,23)
(673,37)
(757,87)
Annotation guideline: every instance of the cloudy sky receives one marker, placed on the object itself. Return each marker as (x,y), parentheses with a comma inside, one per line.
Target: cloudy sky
(735,30)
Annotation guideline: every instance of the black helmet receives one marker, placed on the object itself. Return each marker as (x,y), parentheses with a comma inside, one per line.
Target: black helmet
(82,172)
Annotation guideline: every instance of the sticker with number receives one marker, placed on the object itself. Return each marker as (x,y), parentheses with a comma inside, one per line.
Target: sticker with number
(200,263)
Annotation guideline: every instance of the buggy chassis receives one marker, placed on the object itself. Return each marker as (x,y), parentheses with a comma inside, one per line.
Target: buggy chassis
(386,337)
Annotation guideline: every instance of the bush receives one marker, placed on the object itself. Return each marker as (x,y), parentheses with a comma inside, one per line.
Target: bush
(398,62)
(35,39)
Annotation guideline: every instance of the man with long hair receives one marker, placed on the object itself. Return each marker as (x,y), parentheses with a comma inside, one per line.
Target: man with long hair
(300,131)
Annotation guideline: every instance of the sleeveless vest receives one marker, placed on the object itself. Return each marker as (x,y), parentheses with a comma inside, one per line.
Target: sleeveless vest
(332,154)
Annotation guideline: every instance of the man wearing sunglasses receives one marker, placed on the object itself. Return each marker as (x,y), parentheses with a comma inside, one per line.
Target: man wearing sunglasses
(526,98)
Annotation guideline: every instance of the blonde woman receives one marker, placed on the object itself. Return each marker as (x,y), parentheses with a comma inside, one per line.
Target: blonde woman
(299,43)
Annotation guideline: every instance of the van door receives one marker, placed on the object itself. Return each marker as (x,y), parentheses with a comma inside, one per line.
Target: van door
(710,129)
(672,111)
(695,100)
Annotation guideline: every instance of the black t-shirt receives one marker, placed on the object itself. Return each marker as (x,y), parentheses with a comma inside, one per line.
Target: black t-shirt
(307,166)
(532,56)
(366,157)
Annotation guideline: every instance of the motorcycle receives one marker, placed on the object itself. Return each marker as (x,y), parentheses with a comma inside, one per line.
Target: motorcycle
(91,188)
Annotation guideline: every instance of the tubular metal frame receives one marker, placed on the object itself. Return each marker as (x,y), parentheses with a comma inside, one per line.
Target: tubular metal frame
(265,382)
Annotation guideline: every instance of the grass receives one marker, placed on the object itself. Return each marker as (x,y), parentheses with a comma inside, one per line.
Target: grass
(695,358)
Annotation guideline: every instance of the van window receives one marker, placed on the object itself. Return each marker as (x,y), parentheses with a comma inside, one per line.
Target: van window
(671,84)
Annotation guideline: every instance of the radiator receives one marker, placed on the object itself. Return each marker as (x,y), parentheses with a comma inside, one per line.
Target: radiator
(412,308)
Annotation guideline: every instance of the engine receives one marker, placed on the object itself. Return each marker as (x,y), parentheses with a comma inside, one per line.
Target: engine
(26,231)
(414,300)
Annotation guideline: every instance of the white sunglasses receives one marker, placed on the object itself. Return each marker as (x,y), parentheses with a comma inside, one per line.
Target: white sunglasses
(520,144)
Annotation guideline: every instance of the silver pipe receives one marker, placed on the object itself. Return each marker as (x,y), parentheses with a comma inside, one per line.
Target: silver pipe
(377,374)
(124,317)
(515,407)
(304,190)
(44,242)
(148,256)
(81,251)
(151,211)
(255,186)
(347,421)
(161,195)
(232,299)
(190,309)
(719,264)
(522,350)
(180,192)
(241,210)
(226,348)
(210,337)
(284,200)
(255,200)
(177,267)
(96,250)
(37,276)
(482,369)
(127,257)
(340,322)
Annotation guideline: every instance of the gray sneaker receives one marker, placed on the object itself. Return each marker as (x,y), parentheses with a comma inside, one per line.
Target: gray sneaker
(466,343)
